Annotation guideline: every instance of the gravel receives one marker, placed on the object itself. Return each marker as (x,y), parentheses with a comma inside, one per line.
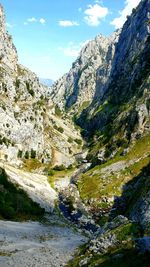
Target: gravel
(32,244)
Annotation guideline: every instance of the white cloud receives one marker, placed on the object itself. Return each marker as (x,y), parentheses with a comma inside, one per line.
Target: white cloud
(68,23)
(32,19)
(72,50)
(94,14)
(8,25)
(42,21)
(129,5)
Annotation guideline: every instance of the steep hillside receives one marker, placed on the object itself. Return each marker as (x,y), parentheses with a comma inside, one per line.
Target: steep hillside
(122,114)
(104,187)
(15,203)
(76,89)
(119,122)
(30,125)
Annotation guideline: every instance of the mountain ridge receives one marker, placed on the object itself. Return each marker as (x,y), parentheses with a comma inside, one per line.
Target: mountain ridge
(29,125)
(76,89)
(100,180)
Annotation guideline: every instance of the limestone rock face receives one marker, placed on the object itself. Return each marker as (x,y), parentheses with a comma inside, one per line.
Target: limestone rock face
(8,53)
(125,94)
(35,185)
(27,116)
(77,88)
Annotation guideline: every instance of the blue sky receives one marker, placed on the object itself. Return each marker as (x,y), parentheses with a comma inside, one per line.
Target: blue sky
(48,34)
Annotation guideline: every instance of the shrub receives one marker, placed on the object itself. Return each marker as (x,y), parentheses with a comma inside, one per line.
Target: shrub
(17,83)
(70,167)
(4,140)
(31,118)
(50,172)
(3,107)
(57,111)
(33,154)
(122,143)
(19,154)
(78,141)
(70,140)
(60,129)
(31,92)
(7,211)
(59,168)
(26,155)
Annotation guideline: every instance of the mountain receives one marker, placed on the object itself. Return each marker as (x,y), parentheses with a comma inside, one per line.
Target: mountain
(101,177)
(117,125)
(76,89)
(47,82)
(30,125)
(117,128)
(123,111)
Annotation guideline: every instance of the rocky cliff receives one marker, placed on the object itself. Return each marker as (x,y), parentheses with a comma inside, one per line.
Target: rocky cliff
(119,121)
(76,89)
(30,126)
(109,192)
(123,109)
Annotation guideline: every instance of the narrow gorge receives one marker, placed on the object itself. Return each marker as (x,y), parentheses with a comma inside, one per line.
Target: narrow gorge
(75,156)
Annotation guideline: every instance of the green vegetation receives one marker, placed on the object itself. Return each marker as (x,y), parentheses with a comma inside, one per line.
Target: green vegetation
(29,89)
(15,203)
(58,111)
(20,153)
(78,141)
(84,105)
(17,83)
(70,140)
(140,185)
(26,155)
(33,154)
(39,104)
(117,254)
(127,257)
(59,129)
(59,168)
(102,181)
(4,140)
(54,175)
(32,164)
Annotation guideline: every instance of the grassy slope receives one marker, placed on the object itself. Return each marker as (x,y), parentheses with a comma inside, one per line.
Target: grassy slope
(121,254)
(98,183)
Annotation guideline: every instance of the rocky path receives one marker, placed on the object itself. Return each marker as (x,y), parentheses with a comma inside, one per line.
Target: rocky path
(31,244)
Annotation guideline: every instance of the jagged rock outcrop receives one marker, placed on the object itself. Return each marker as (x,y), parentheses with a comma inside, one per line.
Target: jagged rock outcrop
(8,53)
(77,88)
(119,122)
(116,78)
(29,126)
(126,97)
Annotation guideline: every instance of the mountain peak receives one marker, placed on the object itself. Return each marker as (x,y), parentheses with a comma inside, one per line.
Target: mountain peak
(2,19)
